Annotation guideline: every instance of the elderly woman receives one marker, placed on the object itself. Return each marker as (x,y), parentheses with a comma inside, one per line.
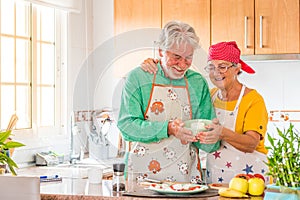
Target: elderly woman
(241,121)
(242,114)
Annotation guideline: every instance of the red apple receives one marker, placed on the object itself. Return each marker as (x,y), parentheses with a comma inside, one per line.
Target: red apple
(260,176)
(244,176)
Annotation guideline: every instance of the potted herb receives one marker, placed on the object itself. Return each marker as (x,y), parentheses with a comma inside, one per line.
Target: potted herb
(7,144)
(284,160)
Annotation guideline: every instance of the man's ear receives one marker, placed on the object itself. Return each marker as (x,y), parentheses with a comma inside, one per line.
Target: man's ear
(160,52)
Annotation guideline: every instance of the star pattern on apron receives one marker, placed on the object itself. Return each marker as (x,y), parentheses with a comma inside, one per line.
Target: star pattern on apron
(225,163)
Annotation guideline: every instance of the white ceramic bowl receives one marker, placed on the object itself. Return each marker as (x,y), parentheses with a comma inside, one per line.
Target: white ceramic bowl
(197,125)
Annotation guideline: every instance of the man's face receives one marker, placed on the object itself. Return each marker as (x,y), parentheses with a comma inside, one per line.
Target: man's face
(175,62)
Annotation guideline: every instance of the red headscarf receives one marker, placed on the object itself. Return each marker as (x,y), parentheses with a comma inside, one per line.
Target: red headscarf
(228,51)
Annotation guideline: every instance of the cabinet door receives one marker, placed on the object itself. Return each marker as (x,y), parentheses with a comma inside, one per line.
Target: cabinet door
(277,26)
(194,12)
(134,14)
(233,20)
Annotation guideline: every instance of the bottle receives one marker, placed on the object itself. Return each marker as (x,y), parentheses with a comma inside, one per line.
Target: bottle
(118,177)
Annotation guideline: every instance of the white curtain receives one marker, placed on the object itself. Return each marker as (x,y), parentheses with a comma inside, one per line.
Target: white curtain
(67,5)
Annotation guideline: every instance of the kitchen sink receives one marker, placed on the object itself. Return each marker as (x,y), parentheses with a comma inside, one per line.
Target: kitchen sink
(67,170)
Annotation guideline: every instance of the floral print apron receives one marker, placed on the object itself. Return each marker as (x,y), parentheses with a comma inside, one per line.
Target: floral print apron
(225,163)
(167,159)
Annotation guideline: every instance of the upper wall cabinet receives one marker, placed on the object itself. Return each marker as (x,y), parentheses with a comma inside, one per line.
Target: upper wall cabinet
(258,26)
(194,12)
(134,14)
(277,26)
(233,20)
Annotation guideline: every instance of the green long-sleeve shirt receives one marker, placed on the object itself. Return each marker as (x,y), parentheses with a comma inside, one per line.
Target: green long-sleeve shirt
(135,98)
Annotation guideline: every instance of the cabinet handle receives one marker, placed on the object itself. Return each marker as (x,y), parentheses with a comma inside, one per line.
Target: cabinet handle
(261,31)
(246,32)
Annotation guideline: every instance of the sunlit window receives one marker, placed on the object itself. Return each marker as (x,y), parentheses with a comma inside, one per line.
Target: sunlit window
(29,68)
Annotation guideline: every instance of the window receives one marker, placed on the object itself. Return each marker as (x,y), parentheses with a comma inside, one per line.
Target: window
(31,57)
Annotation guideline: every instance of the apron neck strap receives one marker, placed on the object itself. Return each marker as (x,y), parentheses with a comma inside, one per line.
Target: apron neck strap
(215,94)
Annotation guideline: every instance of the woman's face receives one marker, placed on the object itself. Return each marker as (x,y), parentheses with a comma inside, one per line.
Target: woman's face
(175,62)
(222,73)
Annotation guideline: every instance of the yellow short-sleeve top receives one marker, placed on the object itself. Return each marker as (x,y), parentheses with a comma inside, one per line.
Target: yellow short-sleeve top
(252,115)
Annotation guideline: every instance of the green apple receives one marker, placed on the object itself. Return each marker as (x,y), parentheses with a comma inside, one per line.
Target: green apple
(256,186)
(239,184)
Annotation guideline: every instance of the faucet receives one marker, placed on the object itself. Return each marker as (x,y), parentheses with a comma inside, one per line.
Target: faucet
(75,158)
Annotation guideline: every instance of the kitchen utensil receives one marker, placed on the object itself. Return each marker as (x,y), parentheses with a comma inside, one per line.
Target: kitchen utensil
(118,177)
(12,122)
(152,180)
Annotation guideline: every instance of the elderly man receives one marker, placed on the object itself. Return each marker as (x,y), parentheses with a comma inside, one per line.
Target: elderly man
(154,106)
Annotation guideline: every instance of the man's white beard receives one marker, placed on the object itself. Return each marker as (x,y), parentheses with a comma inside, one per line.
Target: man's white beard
(169,73)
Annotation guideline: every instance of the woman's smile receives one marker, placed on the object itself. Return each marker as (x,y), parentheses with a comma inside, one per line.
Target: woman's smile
(219,78)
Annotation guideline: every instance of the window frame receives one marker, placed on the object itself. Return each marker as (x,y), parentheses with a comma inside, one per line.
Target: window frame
(60,79)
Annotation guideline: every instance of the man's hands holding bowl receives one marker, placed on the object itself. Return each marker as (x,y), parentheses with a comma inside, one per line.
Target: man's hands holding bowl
(185,134)
(176,128)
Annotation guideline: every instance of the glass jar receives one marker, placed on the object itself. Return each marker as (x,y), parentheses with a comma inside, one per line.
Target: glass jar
(118,184)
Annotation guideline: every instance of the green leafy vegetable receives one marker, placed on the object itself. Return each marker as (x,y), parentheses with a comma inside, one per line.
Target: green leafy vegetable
(284,157)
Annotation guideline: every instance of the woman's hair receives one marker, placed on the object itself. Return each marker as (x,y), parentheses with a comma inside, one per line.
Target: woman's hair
(177,33)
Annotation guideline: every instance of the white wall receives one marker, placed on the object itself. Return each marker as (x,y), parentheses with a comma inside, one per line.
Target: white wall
(89,29)
(278,82)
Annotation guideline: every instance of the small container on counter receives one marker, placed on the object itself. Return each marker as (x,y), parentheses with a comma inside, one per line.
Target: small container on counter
(118,183)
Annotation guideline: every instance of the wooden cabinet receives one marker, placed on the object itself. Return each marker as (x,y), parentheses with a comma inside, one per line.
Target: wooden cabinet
(277,26)
(134,14)
(258,26)
(233,20)
(194,12)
